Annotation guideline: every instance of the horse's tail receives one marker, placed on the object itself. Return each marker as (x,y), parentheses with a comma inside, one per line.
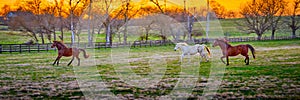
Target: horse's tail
(208,50)
(252,50)
(84,53)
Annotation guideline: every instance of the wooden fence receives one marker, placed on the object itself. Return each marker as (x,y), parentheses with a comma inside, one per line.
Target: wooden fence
(135,44)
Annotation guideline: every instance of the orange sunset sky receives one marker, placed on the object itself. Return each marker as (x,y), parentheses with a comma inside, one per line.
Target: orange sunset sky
(228,4)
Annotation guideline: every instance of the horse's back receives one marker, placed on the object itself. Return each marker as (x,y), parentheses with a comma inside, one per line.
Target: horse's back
(68,52)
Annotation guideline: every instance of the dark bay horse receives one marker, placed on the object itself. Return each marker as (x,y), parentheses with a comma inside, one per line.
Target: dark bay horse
(63,50)
(229,50)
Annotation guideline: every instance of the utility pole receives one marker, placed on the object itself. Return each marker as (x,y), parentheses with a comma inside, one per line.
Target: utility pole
(207,20)
(90,38)
(72,24)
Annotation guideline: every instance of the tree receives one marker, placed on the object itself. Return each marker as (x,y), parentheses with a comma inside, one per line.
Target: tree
(218,9)
(26,22)
(49,20)
(76,8)
(293,21)
(274,9)
(5,9)
(90,35)
(156,2)
(59,7)
(256,19)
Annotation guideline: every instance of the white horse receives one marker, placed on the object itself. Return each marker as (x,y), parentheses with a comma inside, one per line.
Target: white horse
(192,50)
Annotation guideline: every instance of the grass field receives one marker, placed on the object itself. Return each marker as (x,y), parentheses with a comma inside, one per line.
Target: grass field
(273,74)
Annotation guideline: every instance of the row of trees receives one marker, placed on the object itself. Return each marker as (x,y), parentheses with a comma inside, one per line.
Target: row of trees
(45,18)
(263,15)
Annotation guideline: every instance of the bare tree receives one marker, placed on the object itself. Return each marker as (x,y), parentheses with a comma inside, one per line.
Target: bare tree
(26,22)
(293,21)
(34,6)
(256,18)
(218,9)
(59,7)
(49,21)
(128,13)
(156,2)
(90,35)
(5,9)
(274,9)
(108,19)
(75,8)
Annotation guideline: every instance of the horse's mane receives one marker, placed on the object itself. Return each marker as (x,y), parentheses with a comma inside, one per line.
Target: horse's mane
(224,41)
(182,43)
(62,43)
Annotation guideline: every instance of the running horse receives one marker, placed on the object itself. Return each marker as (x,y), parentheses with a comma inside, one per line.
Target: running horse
(229,50)
(63,50)
(192,50)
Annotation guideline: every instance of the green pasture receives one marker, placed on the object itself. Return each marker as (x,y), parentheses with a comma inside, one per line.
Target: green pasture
(273,74)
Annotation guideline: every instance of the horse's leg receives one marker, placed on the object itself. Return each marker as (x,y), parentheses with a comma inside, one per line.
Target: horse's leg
(181,58)
(71,61)
(201,58)
(56,60)
(247,57)
(222,59)
(227,60)
(78,60)
(206,57)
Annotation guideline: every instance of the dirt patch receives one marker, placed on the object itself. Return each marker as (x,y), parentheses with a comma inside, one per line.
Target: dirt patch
(276,48)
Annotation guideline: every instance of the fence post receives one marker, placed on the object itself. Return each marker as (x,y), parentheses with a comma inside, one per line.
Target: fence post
(0,48)
(10,49)
(38,47)
(28,48)
(140,44)
(47,47)
(20,48)
(134,44)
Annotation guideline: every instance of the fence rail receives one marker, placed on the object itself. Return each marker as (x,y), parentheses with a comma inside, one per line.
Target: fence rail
(134,44)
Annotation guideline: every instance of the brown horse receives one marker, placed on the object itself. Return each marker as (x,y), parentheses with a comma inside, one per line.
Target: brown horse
(63,50)
(229,50)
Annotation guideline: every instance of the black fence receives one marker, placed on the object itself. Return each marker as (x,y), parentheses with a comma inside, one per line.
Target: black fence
(135,44)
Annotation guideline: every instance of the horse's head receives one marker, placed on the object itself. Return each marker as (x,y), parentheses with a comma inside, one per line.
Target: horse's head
(220,42)
(54,44)
(179,45)
(216,43)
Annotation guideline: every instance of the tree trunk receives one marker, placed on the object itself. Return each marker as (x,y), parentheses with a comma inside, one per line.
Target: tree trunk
(125,34)
(99,30)
(294,33)
(259,36)
(35,37)
(89,25)
(42,36)
(107,31)
(54,34)
(147,34)
(61,29)
(273,34)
